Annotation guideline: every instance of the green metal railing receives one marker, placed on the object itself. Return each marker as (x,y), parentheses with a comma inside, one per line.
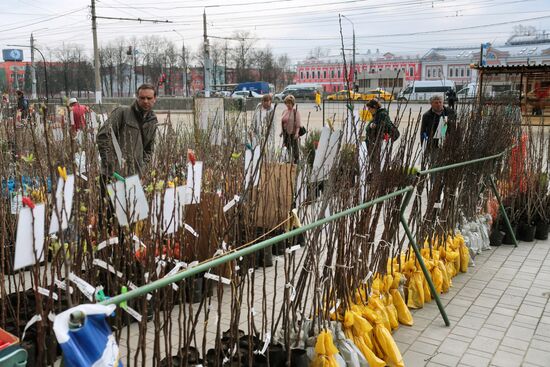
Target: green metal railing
(407,191)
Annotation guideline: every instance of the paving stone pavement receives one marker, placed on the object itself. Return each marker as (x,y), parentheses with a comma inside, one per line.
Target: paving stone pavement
(499,313)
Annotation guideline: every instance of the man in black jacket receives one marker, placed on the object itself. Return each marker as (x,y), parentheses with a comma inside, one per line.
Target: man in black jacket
(434,123)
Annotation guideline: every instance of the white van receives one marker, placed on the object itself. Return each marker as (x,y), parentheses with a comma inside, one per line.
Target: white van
(425,89)
(468,92)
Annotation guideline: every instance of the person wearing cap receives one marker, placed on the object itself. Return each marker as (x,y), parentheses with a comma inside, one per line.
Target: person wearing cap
(78,114)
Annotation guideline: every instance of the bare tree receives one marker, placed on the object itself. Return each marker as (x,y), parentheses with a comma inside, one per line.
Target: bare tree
(242,54)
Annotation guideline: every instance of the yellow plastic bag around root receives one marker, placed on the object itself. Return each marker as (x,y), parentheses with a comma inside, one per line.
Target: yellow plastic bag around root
(416,290)
(392,355)
(464,258)
(403,313)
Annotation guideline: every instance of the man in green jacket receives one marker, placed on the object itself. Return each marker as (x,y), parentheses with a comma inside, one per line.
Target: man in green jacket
(126,140)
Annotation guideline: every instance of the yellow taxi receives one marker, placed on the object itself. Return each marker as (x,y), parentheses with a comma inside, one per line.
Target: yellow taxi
(379,94)
(343,96)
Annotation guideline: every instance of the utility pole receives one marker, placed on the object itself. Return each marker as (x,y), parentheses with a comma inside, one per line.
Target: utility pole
(206,58)
(96,56)
(33,70)
(184,64)
(353,61)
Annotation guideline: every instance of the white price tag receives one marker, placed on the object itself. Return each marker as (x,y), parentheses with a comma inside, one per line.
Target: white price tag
(217,278)
(133,313)
(86,288)
(109,267)
(46,292)
(110,241)
(31,322)
(292,249)
(63,286)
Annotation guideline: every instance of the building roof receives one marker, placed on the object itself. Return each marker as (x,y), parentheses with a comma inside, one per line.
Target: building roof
(510,51)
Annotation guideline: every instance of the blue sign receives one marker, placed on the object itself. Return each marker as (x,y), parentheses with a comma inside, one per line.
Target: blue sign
(12,54)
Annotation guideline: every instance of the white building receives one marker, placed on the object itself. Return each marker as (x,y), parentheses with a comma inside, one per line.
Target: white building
(454,63)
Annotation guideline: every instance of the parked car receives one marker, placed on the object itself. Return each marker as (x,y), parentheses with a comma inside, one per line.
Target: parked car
(245,94)
(343,95)
(298,93)
(379,94)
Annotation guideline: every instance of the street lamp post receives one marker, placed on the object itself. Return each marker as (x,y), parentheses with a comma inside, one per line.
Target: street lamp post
(354,73)
(43,60)
(184,63)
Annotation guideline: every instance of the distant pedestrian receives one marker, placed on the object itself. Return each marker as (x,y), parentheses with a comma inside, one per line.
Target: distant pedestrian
(452,98)
(290,123)
(317,100)
(77,114)
(22,104)
(378,130)
(263,127)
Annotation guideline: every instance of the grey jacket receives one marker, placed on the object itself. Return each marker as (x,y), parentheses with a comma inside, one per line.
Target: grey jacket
(135,134)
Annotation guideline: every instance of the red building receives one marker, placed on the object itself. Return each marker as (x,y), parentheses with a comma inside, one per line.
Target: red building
(331,74)
(12,75)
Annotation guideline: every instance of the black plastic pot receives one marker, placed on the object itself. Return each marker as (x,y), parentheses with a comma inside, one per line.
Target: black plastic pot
(173,361)
(298,358)
(526,232)
(507,240)
(496,237)
(192,355)
(541,231)
(266,257)
(277,355)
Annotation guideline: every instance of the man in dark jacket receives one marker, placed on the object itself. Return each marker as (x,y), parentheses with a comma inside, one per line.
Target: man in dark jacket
(126,140)
(22,104)
(435,124)
(431,133)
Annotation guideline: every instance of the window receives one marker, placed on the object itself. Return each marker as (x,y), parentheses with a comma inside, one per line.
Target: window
(318,74)
(307,74)
(372,71)
(429,73)
(467,72)
(450,72)
(411,71)
(462,72)
(439,72)
(332,74)
(325,74)
(339,74)
(301,75)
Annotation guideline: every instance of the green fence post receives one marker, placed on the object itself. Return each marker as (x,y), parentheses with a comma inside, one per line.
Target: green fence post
(501,206)
(421,260)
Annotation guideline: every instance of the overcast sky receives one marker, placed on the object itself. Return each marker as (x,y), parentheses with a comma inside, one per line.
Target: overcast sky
(293,27)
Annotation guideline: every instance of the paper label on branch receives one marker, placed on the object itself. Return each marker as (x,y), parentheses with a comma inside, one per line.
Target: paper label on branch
(16,202)
(46,292)
(194,182)
(129,200)
(63,286)
(363,168)
(251,168)
(170,213)
(110,241)
(217,278)
(133,313)
(292,249)
(109,267)
(231,203)
(29,245)
(267,339)
(325,154)
(86,288)
(190,229)
(31,322)
(63,204)
(80,161)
